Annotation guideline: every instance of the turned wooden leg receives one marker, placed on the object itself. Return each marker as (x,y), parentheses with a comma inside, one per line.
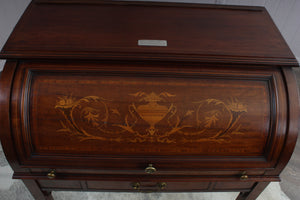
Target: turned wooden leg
(36,191)
(254,193)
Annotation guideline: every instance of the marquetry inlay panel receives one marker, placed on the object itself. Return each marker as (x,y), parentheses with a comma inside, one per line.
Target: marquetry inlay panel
(149,115)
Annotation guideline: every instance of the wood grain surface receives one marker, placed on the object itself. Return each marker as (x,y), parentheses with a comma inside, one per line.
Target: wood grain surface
(111,31)
(79,108)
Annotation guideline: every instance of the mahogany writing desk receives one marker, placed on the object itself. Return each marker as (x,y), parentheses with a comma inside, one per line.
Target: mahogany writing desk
(139,97)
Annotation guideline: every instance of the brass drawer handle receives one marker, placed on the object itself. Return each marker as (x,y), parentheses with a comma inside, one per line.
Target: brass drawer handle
(136,186)
(150,169)
(160,185)
(51,174)
(244,176)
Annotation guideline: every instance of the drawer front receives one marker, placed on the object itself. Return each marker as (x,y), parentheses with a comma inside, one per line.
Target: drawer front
(202,172)
(138,185)
(109,117)
(169,186)
(158,186)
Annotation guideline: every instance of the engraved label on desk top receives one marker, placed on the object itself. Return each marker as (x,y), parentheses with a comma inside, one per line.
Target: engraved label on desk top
(157,43)
(95,118)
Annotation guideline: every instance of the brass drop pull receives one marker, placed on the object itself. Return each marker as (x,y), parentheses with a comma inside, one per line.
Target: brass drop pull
(162,185)
(244,176)
(136,186)
(150,169)
(51,174)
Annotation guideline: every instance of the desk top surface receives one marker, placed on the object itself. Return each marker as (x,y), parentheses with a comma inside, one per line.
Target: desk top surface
(177,32)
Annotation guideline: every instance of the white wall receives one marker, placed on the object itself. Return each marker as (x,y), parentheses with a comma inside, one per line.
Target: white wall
(10,12)
(285,13)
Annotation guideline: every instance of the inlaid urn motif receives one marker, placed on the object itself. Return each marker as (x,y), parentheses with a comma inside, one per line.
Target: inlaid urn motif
(152,112)
(151,117)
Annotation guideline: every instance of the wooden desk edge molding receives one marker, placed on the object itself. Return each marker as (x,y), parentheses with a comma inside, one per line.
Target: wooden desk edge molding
(147,97)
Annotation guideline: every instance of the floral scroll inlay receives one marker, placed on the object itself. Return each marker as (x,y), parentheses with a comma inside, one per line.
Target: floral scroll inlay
(151,117)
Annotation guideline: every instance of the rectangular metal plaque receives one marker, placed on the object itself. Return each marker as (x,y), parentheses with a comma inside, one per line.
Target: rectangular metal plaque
(156,43)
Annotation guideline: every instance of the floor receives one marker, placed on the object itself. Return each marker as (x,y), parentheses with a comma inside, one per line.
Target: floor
(287,189)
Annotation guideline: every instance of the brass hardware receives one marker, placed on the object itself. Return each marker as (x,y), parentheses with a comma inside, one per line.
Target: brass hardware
(150,169)
(136,186)
(51,174)
(244,176)
(162,185)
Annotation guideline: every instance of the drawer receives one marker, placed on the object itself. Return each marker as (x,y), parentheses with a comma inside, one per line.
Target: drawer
(170,186)
(138,185)
(158,186)
(114,117)
(94,172)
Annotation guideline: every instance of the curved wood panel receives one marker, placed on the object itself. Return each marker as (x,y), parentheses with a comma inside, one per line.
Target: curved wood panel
(6,118)
(123,112)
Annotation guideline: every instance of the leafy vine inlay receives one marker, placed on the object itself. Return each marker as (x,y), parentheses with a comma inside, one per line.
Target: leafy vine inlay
(151,118)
